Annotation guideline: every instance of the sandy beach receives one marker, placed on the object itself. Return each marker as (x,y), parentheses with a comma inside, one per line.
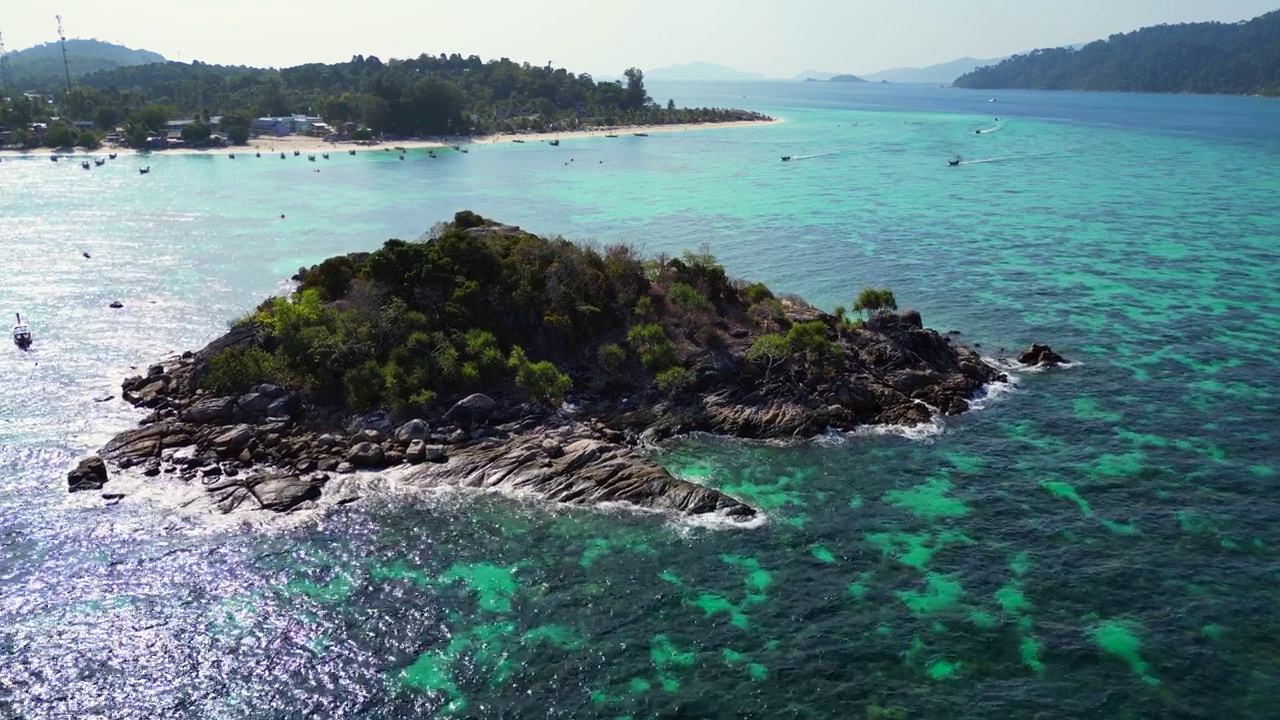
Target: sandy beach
(314,145)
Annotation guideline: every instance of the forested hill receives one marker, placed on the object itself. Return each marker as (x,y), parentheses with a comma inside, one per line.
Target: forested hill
(1240,58)
(427,95)
(40,66)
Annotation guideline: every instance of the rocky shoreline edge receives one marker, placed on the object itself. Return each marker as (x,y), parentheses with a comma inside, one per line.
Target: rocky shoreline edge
(269,450)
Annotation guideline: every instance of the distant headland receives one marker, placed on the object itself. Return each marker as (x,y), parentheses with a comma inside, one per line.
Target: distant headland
(1207,58)
(169,104)
(488,357)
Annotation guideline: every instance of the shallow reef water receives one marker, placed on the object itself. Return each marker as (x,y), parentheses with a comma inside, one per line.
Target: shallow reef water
(1097,541)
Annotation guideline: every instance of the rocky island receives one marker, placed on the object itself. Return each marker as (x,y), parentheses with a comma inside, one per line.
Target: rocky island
(485,356)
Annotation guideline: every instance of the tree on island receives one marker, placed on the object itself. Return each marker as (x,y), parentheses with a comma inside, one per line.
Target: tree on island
(874,301)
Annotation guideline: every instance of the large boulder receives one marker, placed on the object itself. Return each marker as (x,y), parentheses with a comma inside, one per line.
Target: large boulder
(379,420)
(413,430)
(90,474)
(231,441)
(285,405)
(1039,354)
(366,455)
(471,411)
(210,410)
(281,494)
(252,404)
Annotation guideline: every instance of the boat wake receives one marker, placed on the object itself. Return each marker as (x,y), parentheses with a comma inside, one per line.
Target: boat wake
(818,155)
(991,160)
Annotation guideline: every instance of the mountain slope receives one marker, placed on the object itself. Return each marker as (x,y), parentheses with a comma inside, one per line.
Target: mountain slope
(942,73)
(1212,57)
(37,65)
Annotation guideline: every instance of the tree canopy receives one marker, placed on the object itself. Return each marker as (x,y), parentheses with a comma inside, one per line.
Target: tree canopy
(427,95)
(1211,57)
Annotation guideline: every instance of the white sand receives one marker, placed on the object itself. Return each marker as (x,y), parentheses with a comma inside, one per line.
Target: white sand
(315,146)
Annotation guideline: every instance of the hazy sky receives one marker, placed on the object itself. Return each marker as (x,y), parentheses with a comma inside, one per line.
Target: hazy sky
(606,36)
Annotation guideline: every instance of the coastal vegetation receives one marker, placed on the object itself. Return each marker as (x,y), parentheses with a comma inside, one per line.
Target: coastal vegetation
(427,95)
(1211,57)
(477,306)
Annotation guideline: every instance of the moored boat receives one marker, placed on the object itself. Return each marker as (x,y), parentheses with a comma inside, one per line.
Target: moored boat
(112,156)
(99,162)
(642,134)
(553,143)
(145,170)
(21,333)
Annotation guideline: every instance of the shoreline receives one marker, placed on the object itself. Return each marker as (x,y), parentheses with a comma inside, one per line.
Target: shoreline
(312,145)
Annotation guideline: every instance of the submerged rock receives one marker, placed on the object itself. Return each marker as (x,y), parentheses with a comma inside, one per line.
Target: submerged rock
(1039,354)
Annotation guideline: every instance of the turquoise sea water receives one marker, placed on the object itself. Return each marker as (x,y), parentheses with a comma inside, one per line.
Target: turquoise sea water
(1096,542)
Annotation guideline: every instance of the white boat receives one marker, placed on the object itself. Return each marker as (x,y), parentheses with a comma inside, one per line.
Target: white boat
(21,333)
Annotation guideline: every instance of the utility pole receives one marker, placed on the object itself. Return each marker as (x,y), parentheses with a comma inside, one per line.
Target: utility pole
(62,39)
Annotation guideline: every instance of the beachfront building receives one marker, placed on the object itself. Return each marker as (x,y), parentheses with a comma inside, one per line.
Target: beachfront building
(272,126)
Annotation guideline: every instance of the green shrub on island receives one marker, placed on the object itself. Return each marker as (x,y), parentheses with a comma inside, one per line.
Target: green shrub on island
(875,300)
(480,307)
(674,381)
(542,381)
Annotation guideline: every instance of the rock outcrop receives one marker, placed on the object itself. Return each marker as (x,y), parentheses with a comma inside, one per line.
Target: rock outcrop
(1039,354)
(270,448)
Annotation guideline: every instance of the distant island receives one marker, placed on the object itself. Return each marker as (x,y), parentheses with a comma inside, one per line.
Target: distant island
(940,74)
(451,359)
(362,99)
(1210,58)
(701,71)
(835,79)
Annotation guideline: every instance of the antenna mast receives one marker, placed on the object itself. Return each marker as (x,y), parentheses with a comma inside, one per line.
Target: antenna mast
(62,39)
(4,65)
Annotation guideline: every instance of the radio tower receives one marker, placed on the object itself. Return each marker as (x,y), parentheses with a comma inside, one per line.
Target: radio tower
(62,39)
(4,65)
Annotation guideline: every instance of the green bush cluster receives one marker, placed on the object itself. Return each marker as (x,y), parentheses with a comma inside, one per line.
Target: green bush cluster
(541,380)
(655,349)
(875,300)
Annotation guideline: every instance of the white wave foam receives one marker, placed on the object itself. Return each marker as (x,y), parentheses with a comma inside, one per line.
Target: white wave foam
(923,432)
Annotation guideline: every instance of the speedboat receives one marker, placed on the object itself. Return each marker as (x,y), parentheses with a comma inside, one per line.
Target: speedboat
(642,134)
(553,143)
(610,135)
(785,158)
(21,333)
(954,163)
